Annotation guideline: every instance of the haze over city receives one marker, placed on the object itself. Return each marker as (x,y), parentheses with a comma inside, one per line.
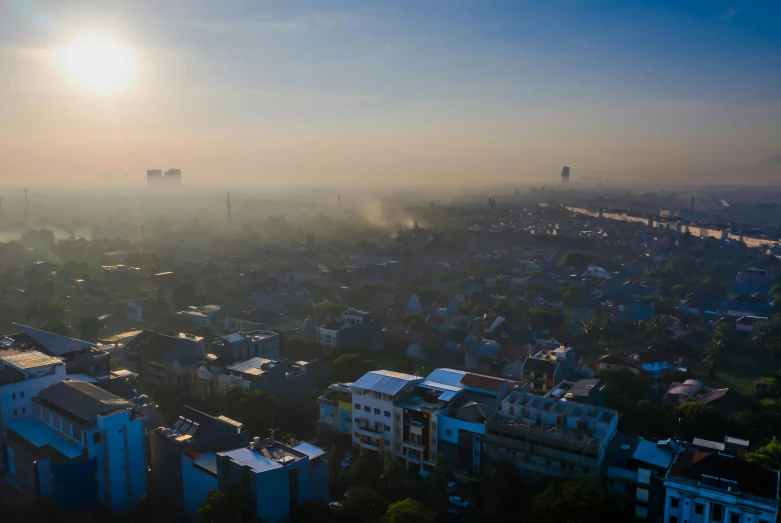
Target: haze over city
(401,93)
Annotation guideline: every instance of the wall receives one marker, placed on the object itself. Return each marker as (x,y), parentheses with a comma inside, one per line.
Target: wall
(196,484)
(30,389)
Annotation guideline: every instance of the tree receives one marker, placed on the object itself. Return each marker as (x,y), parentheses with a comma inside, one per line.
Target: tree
(362,503)
(590,331)
(57,328)
(544,318)
(298,349)
(393,481)
(182,297)
(365,471)
(312,511)
(228,504)
(171,321)
(768,456)
(656,328)
(576,259)
(89,328)
(699,420)
(573,501)
(409,511)
(438,491)
(350,367)
(44,312)
(712,356)
(500,494)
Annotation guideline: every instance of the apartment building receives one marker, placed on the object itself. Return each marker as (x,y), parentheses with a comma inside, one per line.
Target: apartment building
(713,483)
(377,421)
(278,477)
(243,346)
(190,434)
(336,410)
(546,437)
(353,328)
(81,445)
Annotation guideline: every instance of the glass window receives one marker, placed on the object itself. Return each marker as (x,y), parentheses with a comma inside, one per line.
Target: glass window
(734,518)
(358,406)
(21,394)
(367,408)
(699,508)
(674,502)
(377,411)
(387,428)
(96,437)
(387,414)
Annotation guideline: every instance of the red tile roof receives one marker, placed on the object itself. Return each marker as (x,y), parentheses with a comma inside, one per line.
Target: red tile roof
(482,382)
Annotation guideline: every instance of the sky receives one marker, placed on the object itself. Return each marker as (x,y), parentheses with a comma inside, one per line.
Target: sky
(365,92)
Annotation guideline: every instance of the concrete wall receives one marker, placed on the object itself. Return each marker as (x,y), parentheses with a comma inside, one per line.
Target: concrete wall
(196,485)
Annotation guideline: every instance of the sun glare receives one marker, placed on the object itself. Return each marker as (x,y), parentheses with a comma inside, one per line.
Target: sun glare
(97,64)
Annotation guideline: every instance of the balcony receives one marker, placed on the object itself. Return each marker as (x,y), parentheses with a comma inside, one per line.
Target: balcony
(415,446)
(328,400)
(365,430)
(367,444)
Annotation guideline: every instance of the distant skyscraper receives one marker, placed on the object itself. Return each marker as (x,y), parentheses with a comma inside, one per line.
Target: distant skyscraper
(173,176)
(154,176)
(565,175)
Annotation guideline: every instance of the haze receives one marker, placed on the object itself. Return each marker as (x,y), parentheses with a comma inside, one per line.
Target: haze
(330,93)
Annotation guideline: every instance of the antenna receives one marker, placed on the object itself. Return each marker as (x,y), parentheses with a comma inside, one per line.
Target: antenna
(229,207)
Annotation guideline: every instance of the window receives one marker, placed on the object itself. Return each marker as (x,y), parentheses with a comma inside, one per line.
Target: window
(699,508)
(674,502)
(96,437)
(358,406)
(734,518)
(387,428)
(717,512)
(377,411)
(21,394)
(673,519)
(24,410)
(13,396)
(367,408)
(387,443)
(15,412)
(387,414)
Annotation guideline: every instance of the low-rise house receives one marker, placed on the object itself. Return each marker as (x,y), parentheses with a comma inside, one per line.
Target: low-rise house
(548,438)
(242,346)
(200,316)
(162,358)
(654,360)
(286,381)
(754,305)
(614,361)
(181,445)
(82,446)
(635,312)
(250,320)
(750,281)
(718,485)
(352,329)
(585,391)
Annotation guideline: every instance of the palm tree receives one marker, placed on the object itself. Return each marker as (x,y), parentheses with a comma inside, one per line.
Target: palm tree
(722,333)
(713,355)
(656,328)
(590,331)
(760,334)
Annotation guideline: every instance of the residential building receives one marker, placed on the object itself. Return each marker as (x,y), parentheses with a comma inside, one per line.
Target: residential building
(23,374)
(377,422)
(614,361)
(565,174)
(285,380)
(654,360)
(173,176)
(154,176)
(548,438)
(162,358)
(718,485)
(636,469)
(278,477)
(548,367)
(191,434)
(586,391)
(242,346)
(352,329)
(336,410)
(753,280)
(200,316)
(80,444)
(696,391)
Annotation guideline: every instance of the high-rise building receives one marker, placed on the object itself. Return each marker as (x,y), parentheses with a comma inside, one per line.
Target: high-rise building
(565,175)
(173,176)
(154,176)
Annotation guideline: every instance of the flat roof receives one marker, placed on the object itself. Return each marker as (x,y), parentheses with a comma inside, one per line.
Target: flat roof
(253,366)
(649,452)
(42,434)
(207,461)
(30,359)
(269,455)
(310,450)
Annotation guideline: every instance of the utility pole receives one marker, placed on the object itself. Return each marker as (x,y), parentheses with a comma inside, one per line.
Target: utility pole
(229,207)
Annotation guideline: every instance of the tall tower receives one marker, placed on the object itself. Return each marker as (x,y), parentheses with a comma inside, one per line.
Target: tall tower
(229,207)
(26,203)
(173,176)
(154,176)
(565,175)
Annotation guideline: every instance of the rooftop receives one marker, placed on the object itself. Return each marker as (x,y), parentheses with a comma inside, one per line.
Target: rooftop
(83,400)
(41,434)
(25,360)
(253,366)
(384,381)
(716,471)
(266,455)
(56,344)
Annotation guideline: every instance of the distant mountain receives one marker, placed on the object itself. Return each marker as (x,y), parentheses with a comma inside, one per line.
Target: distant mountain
(773,161)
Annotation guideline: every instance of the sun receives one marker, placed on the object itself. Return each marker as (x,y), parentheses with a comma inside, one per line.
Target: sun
(97,64)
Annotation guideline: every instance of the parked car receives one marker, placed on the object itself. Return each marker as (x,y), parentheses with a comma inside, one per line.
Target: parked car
(459,501)
(347,460)
(335,505)
(452,486)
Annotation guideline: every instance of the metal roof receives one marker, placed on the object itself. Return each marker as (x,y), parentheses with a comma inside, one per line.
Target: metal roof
(28,359)
(649,452)
(83,400)
(384,381)
(55,343)
(447,377)
(252,459)
(310,450)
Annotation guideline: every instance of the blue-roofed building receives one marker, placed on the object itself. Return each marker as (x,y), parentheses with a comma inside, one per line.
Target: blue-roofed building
(81,445)
(278,477)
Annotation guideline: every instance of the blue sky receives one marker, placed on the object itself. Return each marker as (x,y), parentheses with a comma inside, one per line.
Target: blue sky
(453,90)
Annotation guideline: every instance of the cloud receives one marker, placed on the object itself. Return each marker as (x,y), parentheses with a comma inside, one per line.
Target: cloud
(729,13)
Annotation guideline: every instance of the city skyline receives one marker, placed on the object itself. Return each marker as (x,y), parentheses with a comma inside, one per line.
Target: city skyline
(392,93)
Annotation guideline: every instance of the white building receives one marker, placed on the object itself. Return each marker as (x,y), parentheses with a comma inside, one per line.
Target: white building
(377,423)
(23,374)
(706,487)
